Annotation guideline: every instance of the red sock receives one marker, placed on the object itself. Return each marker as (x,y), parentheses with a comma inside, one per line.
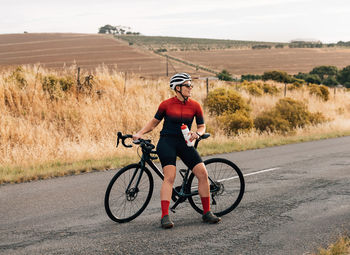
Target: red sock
(206,204)
(165,207)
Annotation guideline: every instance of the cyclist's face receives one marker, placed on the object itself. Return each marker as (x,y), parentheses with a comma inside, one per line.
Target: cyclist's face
(187,88)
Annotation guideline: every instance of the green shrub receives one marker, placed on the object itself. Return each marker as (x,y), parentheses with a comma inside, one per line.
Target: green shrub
(223,100)
(279,76)
(235,122)
(232,111)
(54,86)
(224,75)
(271,121)
(295,112)
(320,91)
(286,116)
(17,76)
(270,89)
(258,89)
(254,89)
(250,77)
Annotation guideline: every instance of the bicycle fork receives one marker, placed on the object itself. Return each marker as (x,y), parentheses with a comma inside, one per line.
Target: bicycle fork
(131,192)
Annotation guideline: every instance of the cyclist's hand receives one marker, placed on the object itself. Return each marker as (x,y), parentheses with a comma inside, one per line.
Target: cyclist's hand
(194,136)
(136,136)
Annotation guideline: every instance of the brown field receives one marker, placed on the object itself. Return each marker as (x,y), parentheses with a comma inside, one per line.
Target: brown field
(84,50)
(248,61)
(55,50)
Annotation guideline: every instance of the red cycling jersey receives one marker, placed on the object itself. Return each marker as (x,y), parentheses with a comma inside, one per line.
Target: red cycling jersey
(176,112)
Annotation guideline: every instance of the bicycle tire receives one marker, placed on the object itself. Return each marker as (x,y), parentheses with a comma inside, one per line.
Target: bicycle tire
(231,182)
(117,197)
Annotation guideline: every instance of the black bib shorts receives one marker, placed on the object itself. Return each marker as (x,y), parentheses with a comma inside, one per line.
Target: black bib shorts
(169,147)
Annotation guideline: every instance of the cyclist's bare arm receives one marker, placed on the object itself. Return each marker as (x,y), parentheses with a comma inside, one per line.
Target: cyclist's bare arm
(147,128)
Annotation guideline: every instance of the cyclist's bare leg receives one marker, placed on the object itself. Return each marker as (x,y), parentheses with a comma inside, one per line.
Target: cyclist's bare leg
(167,185)
(201,173)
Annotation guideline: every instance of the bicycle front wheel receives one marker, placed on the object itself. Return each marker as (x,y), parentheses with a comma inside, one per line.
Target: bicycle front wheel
(226,186)
(128,193)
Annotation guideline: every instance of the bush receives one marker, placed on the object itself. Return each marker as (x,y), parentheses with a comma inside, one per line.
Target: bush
(330,81)
(254,89)
(250,77)
(272,122)
(344,76)
(269,89)
(279,76)
(17,76)
(224,76)
(54,86)
(286,116)
(235,122)
(320,91)
(225,100)
(261,46)
(233,113)
(258,89)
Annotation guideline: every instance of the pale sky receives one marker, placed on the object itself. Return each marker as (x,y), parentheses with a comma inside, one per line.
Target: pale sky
(258,20)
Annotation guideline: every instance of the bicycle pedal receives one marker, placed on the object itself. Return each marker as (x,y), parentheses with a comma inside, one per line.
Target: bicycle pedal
(173,210)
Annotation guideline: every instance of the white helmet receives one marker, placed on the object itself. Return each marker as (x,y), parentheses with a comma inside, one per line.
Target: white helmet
(178,79)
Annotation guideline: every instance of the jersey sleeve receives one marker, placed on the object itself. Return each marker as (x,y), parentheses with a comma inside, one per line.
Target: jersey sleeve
(199,115)
(161,111)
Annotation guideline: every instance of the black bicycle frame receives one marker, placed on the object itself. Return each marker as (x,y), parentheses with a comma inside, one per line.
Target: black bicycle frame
(182,196)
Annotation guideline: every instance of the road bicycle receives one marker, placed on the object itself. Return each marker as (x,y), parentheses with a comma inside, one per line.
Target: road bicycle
(131,188)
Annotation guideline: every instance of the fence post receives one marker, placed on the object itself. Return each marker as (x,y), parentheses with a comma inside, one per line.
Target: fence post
(207,82)
(285,89)
(167,67)
(78,77)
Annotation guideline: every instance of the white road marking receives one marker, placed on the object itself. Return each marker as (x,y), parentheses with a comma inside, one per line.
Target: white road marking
(263,171)
(254,173)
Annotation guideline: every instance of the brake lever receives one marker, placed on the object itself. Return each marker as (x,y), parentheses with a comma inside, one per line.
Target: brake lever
(123,138)
(119,135)
(123,141)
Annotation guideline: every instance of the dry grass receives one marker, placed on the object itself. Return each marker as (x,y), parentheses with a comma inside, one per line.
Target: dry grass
(41,137)
(340,247)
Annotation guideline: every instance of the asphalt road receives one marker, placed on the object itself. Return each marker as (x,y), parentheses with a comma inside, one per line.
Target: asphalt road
(295,209)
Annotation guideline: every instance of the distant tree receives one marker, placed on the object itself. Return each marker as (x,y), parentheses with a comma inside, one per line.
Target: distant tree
(323,71)
(344,44)
(279,46)
(224,75)
(107,29)
(344,76)
(313,78)
(261,46)
(116,30)
(250,77)
(309,78)
(330,81)
(279,76)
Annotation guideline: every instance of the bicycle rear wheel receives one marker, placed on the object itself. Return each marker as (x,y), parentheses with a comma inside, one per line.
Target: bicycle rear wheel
(226,186)
(124,198)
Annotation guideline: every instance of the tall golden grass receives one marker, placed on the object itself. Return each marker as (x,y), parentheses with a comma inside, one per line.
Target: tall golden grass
(38,131)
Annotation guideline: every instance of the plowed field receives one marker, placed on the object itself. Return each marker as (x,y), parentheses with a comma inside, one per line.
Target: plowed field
(248,61)
(91,50)
(85,50)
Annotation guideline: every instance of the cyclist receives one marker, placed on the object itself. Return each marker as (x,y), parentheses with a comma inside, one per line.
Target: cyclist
(176,111)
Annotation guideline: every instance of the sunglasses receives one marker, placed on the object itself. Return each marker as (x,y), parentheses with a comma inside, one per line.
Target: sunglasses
(188,85)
